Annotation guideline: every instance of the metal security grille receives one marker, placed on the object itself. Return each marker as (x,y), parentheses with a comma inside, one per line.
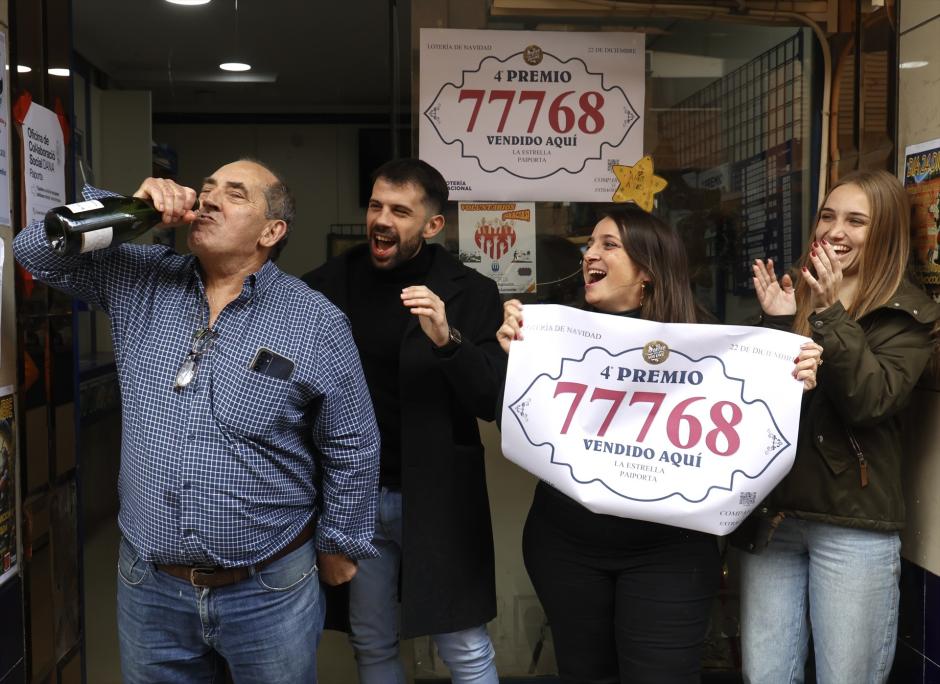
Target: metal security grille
(742,135)
(752,109)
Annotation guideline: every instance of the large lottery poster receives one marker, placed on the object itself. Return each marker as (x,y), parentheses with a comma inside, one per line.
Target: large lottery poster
(688,425)
(531,115)
(922,181)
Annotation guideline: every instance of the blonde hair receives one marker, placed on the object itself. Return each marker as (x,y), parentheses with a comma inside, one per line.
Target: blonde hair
(884,258)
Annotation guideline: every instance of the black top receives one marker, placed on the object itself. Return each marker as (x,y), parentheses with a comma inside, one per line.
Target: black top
(378,318)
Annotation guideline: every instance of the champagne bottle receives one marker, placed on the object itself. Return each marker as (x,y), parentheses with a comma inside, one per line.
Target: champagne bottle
(97,224)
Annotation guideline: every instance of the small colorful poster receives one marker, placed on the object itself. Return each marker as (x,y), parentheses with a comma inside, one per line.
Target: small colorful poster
(7,490)
(531,115)
(922,181)
(687,425)
(498,240)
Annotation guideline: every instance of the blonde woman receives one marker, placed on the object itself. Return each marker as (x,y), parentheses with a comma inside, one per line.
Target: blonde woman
(828,563)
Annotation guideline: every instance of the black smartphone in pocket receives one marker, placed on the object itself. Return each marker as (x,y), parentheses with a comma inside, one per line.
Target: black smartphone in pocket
(272,364)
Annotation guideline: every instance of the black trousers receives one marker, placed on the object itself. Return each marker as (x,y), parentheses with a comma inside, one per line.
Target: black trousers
(626,600)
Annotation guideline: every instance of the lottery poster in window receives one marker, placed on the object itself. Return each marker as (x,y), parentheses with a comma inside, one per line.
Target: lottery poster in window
(498,240)
(7,491)
(922,182)
(531,115)
(681,424)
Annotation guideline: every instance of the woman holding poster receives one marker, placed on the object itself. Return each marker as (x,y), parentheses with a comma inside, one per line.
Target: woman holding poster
(627,600)
(829,556)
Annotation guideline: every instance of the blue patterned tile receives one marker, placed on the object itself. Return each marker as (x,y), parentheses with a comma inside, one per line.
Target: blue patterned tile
(911,615)
(931,673)
(15,676)
(908,666)
(11,636)
(932,617)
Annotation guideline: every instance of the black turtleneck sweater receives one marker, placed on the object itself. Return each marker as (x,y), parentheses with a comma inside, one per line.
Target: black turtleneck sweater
(378,319)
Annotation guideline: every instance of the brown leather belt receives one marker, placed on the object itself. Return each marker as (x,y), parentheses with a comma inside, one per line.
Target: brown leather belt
(212,577)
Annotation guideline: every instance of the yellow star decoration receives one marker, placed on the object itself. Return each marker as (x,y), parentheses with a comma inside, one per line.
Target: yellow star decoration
(638,183)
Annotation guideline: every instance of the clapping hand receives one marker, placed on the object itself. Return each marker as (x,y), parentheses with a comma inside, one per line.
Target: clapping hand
(776,297)
(825,284)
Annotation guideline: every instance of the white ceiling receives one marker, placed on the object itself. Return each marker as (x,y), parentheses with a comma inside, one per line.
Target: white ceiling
(307,55)
(327,56)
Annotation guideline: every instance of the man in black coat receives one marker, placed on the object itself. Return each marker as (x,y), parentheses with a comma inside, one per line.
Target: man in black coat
(425,326)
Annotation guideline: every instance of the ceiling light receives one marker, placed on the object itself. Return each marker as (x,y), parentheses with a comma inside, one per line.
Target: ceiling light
(189,2)
(234,66)
(23,69)
(58,72)
(915,64)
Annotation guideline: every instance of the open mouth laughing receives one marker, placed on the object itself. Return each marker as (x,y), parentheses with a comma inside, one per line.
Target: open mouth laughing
(840,249)
(383,244)
(594,275)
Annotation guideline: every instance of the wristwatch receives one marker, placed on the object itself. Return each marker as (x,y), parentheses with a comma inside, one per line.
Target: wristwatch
(454,338)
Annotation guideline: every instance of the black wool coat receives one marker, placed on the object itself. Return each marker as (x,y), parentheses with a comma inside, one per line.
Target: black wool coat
(447,574)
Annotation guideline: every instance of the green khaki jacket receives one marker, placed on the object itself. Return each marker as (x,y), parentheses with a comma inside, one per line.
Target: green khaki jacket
(847,469)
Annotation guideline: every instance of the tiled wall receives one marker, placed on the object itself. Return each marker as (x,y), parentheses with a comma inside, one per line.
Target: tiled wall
(12,664)
(918,654)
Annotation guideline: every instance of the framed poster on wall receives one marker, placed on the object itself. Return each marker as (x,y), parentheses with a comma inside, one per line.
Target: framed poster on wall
(531,115)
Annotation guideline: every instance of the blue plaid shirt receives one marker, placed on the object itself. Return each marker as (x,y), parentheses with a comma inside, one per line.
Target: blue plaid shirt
(229,469)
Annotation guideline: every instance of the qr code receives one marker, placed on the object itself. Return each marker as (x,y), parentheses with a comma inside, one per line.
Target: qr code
(611,163)
(748,498)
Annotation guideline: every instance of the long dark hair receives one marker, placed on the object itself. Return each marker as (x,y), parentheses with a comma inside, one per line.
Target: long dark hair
(656,247)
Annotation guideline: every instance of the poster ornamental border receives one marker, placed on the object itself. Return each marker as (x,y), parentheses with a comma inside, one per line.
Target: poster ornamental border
(431,115)
(783,446)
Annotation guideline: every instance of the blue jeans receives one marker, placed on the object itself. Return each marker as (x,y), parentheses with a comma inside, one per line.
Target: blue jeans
(374,614)
(839,583)
(266,627)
